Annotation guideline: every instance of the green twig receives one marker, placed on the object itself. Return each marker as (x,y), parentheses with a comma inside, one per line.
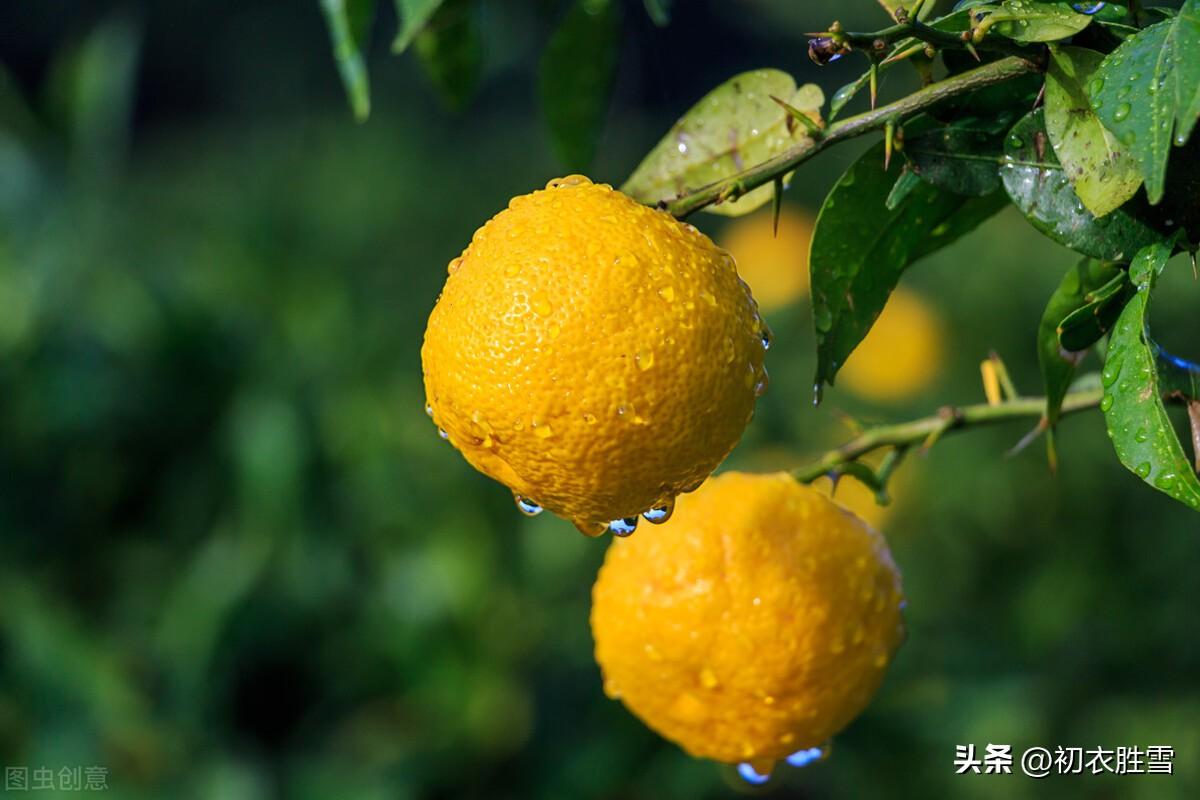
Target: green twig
(734,186)
(905,434)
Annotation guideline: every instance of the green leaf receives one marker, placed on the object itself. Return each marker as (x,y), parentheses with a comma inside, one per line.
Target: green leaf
(733,127)
(903,186)
(90,89)
(659,11)
(1029,21)
(847,93)
(1007,100)
(1148,88)
(1084,326)
(1037,185)
(451,52)
(349,23)
(1102,174)
(860,248)
(1141,432)
(575,78)
(1058,364)
(963,157)
(414,15)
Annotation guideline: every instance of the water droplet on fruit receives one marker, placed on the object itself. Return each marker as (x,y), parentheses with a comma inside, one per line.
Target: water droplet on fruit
(644,359)
(760,388)
(659,514)
(429,410)
(527,506)
(802,758)
(765,338)
(443,434)
(752,776)
(623,527)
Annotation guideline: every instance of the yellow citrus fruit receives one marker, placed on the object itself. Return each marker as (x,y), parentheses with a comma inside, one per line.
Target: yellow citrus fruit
(756,623)
(774,264)
(850,493)
(900,356)
(595,355)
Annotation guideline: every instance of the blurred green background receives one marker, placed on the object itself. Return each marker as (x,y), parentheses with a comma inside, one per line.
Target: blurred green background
(236,561)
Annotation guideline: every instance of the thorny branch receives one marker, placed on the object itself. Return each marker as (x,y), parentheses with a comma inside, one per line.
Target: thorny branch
(928,430)
(729,189)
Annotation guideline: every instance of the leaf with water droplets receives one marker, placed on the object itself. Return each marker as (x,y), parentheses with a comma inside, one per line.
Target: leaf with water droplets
(1142,434)
(575,77)
(1147,92)
(860,247)
(1103,175)
(1058,364)
(1037,185)
(963,157)
(1084,326)
(735,126)
(1030,21)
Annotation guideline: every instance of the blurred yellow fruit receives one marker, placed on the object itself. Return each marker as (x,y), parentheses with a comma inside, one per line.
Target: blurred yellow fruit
(775,265)
(900,356)
(595,355)
(756,623)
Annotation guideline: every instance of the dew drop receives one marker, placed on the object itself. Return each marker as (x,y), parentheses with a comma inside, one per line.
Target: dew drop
(752,776)
(429,410)
(623,527)
(644,359)
(527,506)
(660,513)
(540,305)
(802,758)
(1143,470)
(765,338)
(1106,403)
(443,434)
(543,431)
(760,388)
(1122,112)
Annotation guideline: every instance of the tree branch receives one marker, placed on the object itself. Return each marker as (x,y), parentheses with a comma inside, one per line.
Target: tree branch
(929,429)
(734,186)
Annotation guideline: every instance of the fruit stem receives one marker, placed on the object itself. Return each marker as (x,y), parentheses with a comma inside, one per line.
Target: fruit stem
(946,420)
(987,75)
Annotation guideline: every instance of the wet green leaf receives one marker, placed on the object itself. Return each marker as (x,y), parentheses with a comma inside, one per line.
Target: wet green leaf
(1037,185)
(907,181)
(1141,432)
(1084,326)
(847,93)
(860,248)
(1103,175)
(1029,21)
(575,78)
(414,15)
(451,52)
(733,127)
(1058,364)
(1148,89)
(963,157)
(349,23)
(659,11)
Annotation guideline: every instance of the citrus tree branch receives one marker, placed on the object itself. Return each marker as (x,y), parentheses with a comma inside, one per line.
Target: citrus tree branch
(731,188)
(929,429)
